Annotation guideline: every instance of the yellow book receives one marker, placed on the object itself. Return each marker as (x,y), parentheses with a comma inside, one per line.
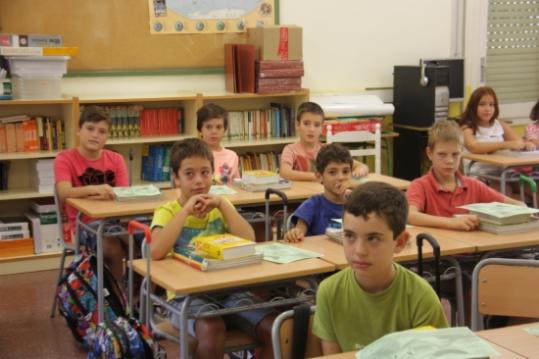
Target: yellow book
(60,51)
(225,246)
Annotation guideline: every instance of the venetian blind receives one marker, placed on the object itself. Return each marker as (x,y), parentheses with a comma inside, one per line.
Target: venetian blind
(512,64)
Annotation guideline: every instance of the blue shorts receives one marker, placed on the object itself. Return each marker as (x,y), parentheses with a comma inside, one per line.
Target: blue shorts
(245,320)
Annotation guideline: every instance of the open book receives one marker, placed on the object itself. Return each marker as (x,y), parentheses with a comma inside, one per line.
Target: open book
(137,193)
(447,343)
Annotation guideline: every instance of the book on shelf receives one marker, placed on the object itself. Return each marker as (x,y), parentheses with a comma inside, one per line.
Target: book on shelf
(224,246)
(203,262)
(137,193)
(9,235)
(31,40)
(4,174)
(43,205)
(155,163)
(531,225)
(39,51)
(45,232)
(260,161)
(13,224)
(501,213)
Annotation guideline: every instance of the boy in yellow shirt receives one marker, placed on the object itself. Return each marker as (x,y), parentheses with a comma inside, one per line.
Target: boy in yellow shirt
(195,213)
(374,296)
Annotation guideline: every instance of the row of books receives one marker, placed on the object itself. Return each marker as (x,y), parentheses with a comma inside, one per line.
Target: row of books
(155,163)
(134,121)
(275,122)
(260,161)
(218,252)
(22,133)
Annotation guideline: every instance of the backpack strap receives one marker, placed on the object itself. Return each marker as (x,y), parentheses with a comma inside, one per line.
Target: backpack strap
(302,314)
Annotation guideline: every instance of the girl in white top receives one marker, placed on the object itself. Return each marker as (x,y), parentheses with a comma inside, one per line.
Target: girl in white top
(484,133)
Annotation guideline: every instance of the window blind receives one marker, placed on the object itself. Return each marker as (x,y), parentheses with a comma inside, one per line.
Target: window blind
(512,63)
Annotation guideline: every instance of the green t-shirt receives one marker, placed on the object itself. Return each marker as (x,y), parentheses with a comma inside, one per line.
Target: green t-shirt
(353,318)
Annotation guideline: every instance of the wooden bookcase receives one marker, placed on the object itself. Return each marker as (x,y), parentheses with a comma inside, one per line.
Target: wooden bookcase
(15,200)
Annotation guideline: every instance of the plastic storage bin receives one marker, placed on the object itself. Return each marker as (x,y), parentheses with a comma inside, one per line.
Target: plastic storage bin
(37,77)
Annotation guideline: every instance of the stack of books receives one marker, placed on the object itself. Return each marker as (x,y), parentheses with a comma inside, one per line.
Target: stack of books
(502,218)
(137,193)
(278,75)
(45,229)
(34,45)
(43,178)
(261,180)
(218,251)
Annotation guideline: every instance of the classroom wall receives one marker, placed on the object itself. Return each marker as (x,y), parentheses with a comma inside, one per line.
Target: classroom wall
(349,45)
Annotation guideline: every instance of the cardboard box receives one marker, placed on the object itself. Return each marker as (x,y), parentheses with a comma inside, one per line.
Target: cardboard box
(277,42)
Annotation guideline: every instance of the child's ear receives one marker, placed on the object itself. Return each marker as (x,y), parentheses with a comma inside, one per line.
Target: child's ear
(176,180)
(318,176)
(401,241)
(428,151)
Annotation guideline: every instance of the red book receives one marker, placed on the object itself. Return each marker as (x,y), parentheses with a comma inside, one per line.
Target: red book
(3,144)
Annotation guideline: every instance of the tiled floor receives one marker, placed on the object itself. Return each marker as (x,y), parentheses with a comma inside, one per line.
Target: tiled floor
(26,329)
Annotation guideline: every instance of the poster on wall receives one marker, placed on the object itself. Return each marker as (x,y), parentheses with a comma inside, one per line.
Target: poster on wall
(209,16)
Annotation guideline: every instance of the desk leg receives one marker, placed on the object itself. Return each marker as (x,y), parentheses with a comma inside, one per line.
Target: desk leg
(77,232)
(503,176)
(389,151)
(184,334)
(100,274)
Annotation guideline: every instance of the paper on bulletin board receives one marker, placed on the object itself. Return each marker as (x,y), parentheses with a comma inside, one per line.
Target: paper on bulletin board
(209,17)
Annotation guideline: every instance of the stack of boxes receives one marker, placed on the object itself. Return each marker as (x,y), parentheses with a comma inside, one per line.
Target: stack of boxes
(279,65)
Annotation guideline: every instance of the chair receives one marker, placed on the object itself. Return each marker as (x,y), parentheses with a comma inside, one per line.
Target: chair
(282,336)
(359,137)
(504,287)
(68,249)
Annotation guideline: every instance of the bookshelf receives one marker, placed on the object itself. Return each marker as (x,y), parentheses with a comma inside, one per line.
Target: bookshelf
(15,200)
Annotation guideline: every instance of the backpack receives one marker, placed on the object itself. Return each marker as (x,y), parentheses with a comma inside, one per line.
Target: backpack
(76,296)
(122,338)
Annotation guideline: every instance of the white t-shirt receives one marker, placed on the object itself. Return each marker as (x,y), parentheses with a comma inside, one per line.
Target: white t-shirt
(493,133)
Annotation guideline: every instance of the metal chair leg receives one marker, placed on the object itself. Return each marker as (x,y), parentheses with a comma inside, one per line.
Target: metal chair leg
(60,273)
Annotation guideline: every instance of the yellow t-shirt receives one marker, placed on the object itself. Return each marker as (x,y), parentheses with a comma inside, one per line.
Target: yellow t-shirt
(212,223)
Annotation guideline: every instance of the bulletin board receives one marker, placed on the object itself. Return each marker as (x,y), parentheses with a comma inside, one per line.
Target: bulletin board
(113,36)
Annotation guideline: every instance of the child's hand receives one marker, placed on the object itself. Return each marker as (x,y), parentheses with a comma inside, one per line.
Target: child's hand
(361,170)
(201,204)
(515,145)
(103,192)
(344,188)
(465,222)
(294,235)
(530,146)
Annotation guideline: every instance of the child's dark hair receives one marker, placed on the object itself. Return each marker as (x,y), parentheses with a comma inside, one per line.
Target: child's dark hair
(94,114)
(334,152)
(469,116)
(190,147)
(210,111)
(534,114)
(309,107)
(382,199)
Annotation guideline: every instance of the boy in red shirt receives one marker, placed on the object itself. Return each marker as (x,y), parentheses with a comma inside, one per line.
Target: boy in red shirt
(90,171)
(434,198)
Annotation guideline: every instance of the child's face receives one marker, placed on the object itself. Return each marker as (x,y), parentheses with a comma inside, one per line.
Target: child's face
(93,135)
(485,110)
(194,177)
(334,175)
(369,248)
(213,131)
(445,157)
(309,127)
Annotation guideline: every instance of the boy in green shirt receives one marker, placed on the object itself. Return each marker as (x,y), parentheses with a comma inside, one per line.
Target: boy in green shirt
(374,296)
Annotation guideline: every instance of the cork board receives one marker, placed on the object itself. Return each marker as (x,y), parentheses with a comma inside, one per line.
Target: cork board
(113,35)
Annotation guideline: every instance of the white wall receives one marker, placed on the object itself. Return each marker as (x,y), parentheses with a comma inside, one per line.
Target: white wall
(348,45)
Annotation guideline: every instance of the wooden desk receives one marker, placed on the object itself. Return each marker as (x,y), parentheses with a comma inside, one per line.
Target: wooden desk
(506,163)
(514,339)
(333,252)
(484,241)
(299,191)
(184,280)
